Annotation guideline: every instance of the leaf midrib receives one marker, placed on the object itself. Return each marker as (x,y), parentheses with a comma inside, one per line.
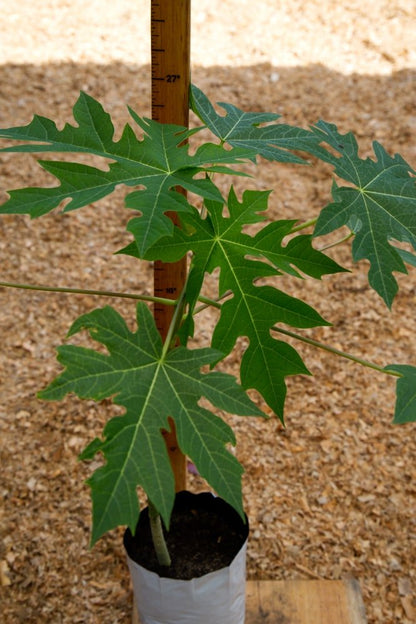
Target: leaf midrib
(136,427)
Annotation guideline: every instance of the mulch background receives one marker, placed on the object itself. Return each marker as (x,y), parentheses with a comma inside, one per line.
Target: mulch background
(333,494)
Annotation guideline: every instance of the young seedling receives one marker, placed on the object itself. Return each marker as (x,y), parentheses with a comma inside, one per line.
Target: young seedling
(374,197)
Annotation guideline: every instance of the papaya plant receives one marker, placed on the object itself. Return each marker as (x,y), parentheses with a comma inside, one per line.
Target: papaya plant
(374,197)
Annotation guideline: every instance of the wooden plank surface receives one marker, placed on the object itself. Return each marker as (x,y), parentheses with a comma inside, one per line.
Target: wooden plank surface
(302,602)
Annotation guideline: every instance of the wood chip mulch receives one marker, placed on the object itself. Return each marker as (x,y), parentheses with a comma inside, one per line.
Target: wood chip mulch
(331,495)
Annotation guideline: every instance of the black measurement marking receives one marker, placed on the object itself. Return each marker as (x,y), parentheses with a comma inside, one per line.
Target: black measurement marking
(170,290)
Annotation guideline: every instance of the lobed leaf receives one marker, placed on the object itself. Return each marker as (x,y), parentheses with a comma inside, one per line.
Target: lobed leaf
(378,208)
(152,386)
(157,165)
(252,310)
(245,130)
(405,409)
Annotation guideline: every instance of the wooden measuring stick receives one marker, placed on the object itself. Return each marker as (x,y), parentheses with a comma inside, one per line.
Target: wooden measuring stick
(170,49)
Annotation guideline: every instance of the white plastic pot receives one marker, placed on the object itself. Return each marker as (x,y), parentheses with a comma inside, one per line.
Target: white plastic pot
(215,598)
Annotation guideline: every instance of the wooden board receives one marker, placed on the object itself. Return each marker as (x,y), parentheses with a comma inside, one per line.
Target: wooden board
(302,602)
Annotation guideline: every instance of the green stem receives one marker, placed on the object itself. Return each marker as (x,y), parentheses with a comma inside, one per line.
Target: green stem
(80,291)
(303,226)
(215,303)
(176,320)
(158,537)
(343,354)
(156,528)
(338,242)
(106,293)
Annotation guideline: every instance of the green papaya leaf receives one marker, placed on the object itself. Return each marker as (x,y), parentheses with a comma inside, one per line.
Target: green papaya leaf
(157,164)
(252,310)
(378,208)
(245,130)
(405,410)
(152,385)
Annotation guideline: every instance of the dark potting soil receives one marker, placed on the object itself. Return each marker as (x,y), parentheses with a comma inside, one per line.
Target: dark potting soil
(205,535)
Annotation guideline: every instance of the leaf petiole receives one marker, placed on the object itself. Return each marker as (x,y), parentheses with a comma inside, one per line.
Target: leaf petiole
(176,321)
(106,293)
(303,226)
(98,293)
(335,351)
(344,239)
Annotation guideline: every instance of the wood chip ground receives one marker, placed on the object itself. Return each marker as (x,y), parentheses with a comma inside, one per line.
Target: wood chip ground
(333,494)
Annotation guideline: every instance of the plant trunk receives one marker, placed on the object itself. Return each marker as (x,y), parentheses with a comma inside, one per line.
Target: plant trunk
(158,537)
